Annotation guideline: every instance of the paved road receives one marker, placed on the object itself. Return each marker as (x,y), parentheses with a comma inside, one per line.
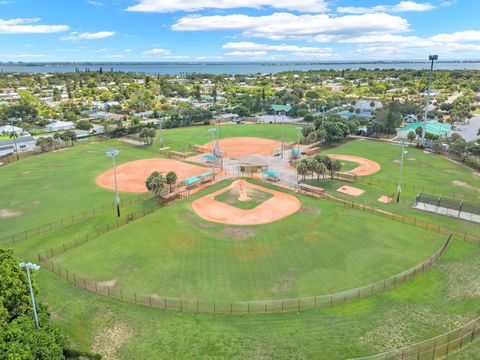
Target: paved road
(469,132)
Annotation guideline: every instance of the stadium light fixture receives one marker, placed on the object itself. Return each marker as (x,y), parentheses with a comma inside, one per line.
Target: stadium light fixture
(28,267)
(113,154)
(213,131)
(404,152)
(432,59)
(299,129)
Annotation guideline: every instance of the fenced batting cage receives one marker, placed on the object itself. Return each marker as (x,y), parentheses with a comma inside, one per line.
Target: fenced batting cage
(462,209)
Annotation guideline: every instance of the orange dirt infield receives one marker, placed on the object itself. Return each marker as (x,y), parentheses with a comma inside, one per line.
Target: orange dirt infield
(132,175)
(350,190)
(237,147)
(277,207)
(367,167)
(385,199)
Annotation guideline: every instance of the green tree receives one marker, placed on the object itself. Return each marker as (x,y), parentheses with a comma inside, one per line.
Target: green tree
(70,135)
(302,169)
(320,169)
(147,135)
(84,125)
(411,136)
(44,143)
(155,184)
(171,179)
(19,337)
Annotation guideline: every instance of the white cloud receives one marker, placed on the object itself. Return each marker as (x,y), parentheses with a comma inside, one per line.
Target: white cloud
(114,56)
(176,57)
(74,36)
(30,55)
(402,6)
(163,6)
(251,46)
(246,53)
(461,36)
(156,52)
(28,26)
(279,26)
(95,3)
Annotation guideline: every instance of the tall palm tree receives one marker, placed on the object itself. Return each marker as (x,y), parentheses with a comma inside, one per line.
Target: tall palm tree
(155,184)
(171,179)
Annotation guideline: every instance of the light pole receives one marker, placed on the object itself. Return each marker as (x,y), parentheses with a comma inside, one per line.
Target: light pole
(432,59)
(114,153)
(213,131)
(404,152)
(299,129)
(29,266)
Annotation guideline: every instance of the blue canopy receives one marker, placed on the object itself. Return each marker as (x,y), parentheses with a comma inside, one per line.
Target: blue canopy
(272,173)
(201,176)
(191,180)
(209,156)
(295,151)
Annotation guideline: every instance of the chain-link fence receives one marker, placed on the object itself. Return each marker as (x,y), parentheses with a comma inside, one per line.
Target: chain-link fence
(452,204)
(435,348)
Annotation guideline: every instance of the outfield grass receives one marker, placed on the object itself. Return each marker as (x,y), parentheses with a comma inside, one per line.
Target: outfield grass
(230,197)
(324,248)
(426,170)
(436,302)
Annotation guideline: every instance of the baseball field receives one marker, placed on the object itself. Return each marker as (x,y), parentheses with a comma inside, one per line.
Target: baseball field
(244,240)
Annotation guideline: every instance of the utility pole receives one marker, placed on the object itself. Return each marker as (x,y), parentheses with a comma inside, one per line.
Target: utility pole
(299,129)
(213,131)
(432,59)
(29,266)
(404,152)
(113,153)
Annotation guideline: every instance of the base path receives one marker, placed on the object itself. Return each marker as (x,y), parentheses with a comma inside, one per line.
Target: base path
(237,147)
(367,167)
(277,207)
(132,175)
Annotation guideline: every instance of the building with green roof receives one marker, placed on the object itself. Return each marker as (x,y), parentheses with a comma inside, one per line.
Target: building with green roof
(432,126)
(281,108)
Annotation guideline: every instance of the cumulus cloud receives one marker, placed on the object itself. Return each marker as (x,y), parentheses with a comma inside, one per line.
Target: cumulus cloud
(163,6)
(279,26)
(246,53)
(29,26)
(461,36)
(402,6)
(88,36)
(156,52)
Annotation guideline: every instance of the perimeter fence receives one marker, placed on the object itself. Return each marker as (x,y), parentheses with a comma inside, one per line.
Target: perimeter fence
(235,307)
(434,348)
(67,220)
(452,204)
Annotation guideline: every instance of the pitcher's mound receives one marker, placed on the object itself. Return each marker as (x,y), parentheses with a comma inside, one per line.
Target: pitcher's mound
(132,175)
(279,206)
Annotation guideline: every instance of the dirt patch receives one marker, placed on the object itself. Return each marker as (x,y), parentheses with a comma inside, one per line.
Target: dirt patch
(350,190)
(396,161)
(310,210)
(36,202)
(367,166)
(237,147)
(412,159)
(109,340)
(285,282)
(132,175)
(242,193)
(476,174)
(26,172)
(7,213)
(462,279)
(279,206)
(184,242)
(107,283)
(238,233)
(465,185)
(251,253)
(385,199)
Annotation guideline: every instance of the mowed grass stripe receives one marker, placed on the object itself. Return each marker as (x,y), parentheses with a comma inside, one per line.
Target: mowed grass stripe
(353,251)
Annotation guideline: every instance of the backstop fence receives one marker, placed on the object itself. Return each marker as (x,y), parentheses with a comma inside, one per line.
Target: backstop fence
(434,348)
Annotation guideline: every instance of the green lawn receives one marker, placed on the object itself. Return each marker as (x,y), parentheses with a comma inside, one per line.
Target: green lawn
(322,249)
(429,172)
(438,301)
(230,197)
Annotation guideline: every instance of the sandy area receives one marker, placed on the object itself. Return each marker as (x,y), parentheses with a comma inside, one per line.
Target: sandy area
(367,167)
(237,147)
(350,190)
(277,207)
(7,213)
(385,199)
(131,176)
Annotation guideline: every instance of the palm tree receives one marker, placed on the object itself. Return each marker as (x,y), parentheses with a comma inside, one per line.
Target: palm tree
(70,135)
(155,184)
(320,169)
(171,179)
(44,143)
(336,166)
(302,169)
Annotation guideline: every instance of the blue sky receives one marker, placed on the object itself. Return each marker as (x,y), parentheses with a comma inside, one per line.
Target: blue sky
(234,30)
